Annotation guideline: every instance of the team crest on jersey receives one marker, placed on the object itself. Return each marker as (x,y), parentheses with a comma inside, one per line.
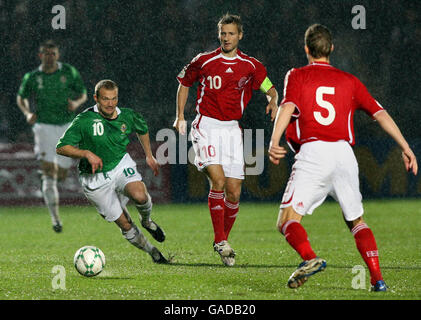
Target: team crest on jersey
(39,81)
(63,79)
(242,82)
(123,128)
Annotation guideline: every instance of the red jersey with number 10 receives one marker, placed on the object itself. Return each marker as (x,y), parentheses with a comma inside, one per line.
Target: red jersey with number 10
(325,99)
(225,84)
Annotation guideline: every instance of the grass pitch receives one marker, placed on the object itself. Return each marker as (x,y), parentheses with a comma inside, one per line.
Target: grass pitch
(30,252)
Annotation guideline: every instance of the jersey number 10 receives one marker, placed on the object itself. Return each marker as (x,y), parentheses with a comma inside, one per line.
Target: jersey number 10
(98,128)
(214,82)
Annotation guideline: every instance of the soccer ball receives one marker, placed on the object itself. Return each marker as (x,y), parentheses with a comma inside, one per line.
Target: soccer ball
(89,261)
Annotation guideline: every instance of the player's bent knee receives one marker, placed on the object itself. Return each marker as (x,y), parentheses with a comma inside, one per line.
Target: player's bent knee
(233,196)
(140,197)
(137,192)
(287,214)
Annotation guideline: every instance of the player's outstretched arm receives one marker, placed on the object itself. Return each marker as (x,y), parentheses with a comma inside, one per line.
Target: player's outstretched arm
(76,153)
(182,95)
(150,159)
(283,118)
(390,127)
(272,107)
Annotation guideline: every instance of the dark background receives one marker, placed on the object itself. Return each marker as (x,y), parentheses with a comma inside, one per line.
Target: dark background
(143,45)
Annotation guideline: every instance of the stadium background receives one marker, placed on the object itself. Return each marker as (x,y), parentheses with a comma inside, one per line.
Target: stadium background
(142,45)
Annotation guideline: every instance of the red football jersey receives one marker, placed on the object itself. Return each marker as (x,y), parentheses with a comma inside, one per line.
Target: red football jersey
(325,99)
(225,84)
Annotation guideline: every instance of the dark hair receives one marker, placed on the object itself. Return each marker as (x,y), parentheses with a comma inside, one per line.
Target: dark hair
(106,84)
(48,44)
(318,39)
(231,18)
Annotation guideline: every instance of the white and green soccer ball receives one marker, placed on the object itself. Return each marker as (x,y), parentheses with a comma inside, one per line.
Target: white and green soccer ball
(89,261)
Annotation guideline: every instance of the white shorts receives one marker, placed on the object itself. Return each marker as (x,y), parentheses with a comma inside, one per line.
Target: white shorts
(106,190)
(218,142)
(46,137)
(322,169)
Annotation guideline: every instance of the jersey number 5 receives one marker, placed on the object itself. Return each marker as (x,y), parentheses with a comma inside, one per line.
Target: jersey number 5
(325,105)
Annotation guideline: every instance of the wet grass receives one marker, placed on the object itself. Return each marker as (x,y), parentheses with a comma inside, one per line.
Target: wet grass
(30,251)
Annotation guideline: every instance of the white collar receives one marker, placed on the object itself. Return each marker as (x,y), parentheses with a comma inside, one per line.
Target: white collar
(60,65)
(228,58)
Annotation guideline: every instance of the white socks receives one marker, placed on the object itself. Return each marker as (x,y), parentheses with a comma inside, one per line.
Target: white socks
(136,238)
(145,211)
(51,198)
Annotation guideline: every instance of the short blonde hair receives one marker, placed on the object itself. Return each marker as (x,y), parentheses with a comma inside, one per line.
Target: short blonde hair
(106,84)
(231,18)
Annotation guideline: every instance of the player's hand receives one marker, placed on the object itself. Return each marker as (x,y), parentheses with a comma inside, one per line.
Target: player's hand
(180,125)
(273,109)
(153,164)
(72,105)
(410,161)
(94,161)
(31,118)
(276,152)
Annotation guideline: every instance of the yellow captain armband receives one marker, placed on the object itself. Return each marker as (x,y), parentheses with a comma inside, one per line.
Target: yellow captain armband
(266,85)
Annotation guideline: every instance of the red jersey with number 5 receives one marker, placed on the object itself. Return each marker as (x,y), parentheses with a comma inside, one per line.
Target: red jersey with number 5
(325,99)
(225,84)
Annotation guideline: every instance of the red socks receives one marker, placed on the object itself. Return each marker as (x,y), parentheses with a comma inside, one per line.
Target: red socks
(231,211)
(216,208)
(223,214)
(366,245)
(296,236)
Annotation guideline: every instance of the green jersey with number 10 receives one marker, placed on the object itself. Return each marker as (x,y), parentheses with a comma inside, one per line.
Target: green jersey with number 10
(106,138)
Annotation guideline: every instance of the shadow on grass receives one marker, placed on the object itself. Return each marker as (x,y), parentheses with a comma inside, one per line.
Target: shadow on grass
(281,266)
(333,266)
(237,266)
(113,278)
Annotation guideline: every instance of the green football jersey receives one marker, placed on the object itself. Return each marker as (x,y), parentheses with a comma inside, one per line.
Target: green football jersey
(106,138)
(51,91)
